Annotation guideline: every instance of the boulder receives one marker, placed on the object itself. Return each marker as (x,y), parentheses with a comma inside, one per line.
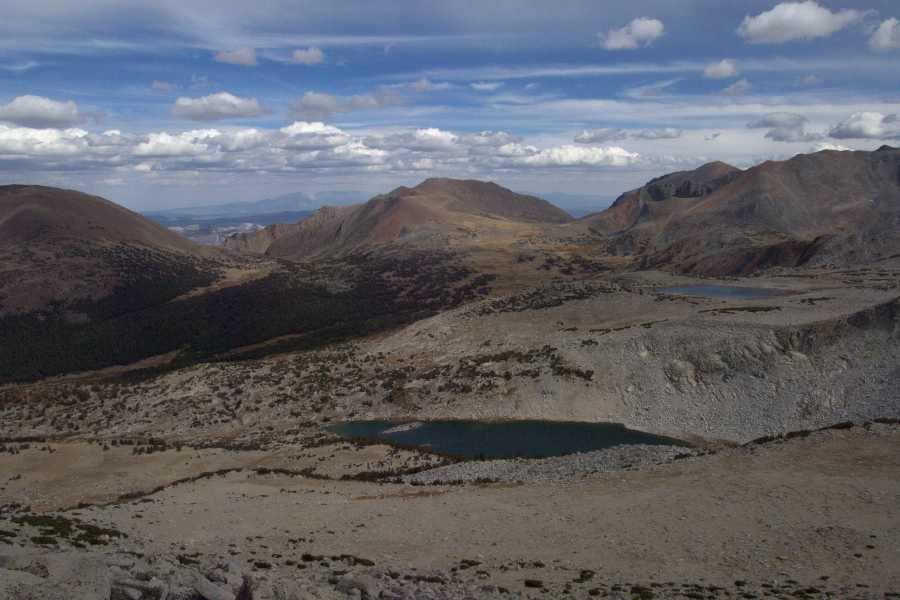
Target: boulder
(210,591)
(366,584)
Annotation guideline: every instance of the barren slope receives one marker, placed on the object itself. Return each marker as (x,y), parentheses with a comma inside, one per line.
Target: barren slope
(436,208)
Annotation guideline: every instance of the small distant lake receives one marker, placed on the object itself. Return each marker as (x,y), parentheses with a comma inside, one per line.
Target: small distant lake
(721,291)
(504,438)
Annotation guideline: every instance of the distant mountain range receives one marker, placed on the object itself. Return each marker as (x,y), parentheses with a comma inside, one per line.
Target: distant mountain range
(297,201)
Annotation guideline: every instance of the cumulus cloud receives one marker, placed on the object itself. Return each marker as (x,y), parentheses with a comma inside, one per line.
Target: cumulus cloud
(807,81)
(641,31)
(490,139)
(867,125)
(191,143)
(423,140)
(826,146)
(738,88)
(784,127)
(486,86)
(216,107)
(163,86)
(795,20)
(242,55)
(599,136)
(886,37)
(573,156)
(310,56)
(40,113)
(314,106)
(658,134)
(723,69)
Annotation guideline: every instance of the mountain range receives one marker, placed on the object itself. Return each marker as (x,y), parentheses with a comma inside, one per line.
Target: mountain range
(80,271)
(713,220)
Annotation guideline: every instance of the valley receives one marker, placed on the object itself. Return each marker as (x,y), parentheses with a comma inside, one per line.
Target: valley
(167,422)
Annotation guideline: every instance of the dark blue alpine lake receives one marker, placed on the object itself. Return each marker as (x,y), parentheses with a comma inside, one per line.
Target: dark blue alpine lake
(503,438)
(721,291)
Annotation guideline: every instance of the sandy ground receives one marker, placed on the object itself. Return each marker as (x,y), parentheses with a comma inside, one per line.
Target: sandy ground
(825,508)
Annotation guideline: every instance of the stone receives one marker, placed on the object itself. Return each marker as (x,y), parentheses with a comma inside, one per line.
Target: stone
(232,565)
(125,593)
(89,578)
(364,583)
(141,570)
(210,591)
(216,576)
(21,585)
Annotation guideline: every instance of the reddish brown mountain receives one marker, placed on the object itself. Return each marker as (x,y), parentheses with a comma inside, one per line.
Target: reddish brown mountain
(38,214)
(718,219)
(61,245)
(433,210)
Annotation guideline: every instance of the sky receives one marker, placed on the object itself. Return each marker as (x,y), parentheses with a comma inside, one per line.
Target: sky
(168,103)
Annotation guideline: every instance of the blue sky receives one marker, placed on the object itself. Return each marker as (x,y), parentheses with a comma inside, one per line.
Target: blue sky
(170,103)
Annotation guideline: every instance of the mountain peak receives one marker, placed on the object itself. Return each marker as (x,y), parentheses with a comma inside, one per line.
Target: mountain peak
(437,205)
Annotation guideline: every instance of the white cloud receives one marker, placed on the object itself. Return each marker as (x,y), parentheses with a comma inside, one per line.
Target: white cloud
(30,142)
(189,143)
(242,55)
(216,107)
(165,87)
(868,125)
(826,146)
(721,70)
(422,85)
(38,112)
(490,139)
(795,20)
(310,56)
(658,134)
(574,156)
(641,31)
(738,88)
(314,106)
(305,135)
(886,37)
(807,81)
(486,86)
(421,140)
(599,136)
